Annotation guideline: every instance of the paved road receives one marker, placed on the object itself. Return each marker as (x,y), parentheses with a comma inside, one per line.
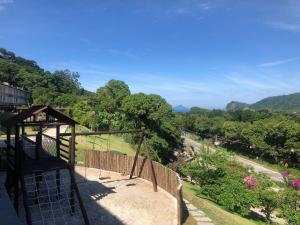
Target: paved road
(276,176)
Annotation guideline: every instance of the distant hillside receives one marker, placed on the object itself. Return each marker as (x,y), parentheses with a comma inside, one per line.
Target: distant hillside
(180,108)
(285,102)
(60,88)
(236,106)
(289,103)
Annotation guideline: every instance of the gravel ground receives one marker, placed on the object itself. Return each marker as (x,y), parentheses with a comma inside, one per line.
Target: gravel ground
(114,199)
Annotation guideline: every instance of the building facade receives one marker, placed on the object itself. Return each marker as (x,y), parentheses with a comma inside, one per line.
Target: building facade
(13,96)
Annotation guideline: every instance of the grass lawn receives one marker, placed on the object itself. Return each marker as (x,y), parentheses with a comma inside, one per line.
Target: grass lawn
(114,143)
(218,215)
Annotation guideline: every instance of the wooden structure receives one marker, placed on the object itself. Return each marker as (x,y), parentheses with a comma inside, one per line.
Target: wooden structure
(142,141)
(166,178)
(36,164)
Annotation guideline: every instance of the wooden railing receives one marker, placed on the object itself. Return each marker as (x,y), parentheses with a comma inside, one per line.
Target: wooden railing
(166,178)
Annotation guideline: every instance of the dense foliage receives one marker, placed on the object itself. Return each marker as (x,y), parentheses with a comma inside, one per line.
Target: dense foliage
(220,178)
(111,107)
(274,136)
(225,182)
(114,107)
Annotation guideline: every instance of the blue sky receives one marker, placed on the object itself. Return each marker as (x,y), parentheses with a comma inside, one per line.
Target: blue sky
(192,52)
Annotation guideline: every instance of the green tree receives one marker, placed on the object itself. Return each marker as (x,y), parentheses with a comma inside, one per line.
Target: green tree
(116,90)
(154,113)
(83,113)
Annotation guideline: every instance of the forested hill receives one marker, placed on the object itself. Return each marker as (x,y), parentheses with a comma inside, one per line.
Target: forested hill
(57,88)
(236,106)
(289,103)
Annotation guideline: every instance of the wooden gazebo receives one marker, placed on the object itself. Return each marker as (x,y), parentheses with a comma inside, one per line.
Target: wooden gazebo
(32,155)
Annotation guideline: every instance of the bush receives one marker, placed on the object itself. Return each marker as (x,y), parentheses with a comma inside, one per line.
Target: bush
(229,191)
(290,206)
(269,201)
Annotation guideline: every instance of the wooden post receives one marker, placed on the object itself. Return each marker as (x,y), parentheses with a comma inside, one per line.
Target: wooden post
(179,204)
(57,141)
(9,170)
(150,165)
(38,144)
(72,164)
(23,129)
(72,142)
(17,169)
(8,138)
(137,153)
(58,156)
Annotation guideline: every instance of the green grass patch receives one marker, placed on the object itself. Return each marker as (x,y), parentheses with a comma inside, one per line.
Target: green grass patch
(217,214)
(113,143)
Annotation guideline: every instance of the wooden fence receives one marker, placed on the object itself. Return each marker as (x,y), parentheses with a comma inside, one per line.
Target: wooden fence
(166,178)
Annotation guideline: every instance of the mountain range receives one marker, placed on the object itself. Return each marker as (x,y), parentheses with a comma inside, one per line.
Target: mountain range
(289,103)
(181,108)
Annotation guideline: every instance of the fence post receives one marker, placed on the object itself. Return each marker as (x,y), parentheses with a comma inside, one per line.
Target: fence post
(179,204)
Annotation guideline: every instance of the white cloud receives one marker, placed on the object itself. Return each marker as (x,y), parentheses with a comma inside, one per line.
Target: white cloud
(295,27)
(4,3)
(265,83)
(117,52)
(175,8)
(248,82)
(279,62)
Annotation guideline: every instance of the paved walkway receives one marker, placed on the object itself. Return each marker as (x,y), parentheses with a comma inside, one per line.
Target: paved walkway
(276,176)
(199,216)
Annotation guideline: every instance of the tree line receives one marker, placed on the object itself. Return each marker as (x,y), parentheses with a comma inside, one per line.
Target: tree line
(273,136)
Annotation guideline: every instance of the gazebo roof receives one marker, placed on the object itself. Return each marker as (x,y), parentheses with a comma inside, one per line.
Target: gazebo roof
(25,115)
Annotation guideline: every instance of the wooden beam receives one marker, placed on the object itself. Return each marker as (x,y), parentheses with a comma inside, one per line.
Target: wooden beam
(102,132)
(137,153)
(42,123)
(150,164)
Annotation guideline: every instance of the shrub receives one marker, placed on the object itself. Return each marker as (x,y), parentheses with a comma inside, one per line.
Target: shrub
(229,191)
(269,201)
(290,206)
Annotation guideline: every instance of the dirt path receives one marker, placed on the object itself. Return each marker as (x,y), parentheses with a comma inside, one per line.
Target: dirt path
(116,200)
(276,176)
(52,131)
